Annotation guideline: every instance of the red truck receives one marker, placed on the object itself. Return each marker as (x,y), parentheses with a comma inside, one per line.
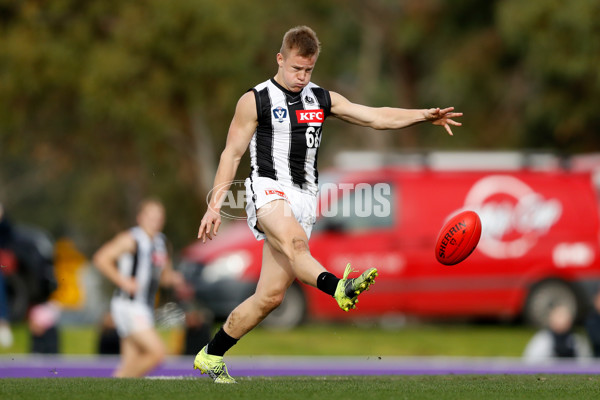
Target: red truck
(539,246)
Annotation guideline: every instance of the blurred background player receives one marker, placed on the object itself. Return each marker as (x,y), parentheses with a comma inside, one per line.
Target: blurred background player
(6,337)
(281,121)
(136,261)
(557,340)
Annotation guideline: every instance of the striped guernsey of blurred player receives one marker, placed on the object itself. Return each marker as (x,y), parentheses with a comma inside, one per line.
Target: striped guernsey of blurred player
(137,261)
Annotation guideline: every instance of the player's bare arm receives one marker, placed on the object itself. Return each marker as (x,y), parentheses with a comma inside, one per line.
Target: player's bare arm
(169,277)
(389,117)
(240,133)
(174,279)
(105,259)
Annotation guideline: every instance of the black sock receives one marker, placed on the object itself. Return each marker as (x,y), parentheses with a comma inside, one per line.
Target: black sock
(220,343)
(327,282)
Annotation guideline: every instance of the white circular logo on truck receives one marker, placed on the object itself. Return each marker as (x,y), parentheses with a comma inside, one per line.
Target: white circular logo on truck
(513,215)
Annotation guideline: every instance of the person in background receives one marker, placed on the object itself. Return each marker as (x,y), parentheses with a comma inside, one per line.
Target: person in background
(43,325)
(557,340)
(198,329)
(136,261)
(108,341)
(21,252)
(6,336)
(592,325)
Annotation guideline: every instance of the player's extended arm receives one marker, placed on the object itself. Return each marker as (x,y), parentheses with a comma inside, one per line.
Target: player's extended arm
(105,259)
(389,117)
(243,125)
(174,279)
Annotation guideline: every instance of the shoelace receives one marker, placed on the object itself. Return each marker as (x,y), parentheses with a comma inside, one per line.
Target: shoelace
(348,271)
(218,370)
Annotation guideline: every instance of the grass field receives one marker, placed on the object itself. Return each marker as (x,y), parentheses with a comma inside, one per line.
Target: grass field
(318,340)
(462,387)
(336,339)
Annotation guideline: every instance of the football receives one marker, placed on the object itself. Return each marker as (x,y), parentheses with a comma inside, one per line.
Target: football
(458,238)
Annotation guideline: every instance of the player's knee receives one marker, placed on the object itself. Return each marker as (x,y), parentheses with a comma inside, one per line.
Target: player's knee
(300,245)
(271,302)
(295,247)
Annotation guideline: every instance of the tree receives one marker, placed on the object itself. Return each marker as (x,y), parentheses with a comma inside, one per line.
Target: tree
(104,102)
(557,47)
(112,101)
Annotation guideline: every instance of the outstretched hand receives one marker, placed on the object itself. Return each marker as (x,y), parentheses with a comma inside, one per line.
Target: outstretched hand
(211,221)
(443,117)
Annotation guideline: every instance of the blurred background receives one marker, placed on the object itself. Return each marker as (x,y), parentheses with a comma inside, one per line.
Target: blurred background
(104,102)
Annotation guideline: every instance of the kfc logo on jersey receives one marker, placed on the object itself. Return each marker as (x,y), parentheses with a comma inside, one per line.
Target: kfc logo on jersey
(310,116)
(280,113)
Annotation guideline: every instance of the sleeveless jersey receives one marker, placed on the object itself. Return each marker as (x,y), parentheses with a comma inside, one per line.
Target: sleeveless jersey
(145,265)
(287,139)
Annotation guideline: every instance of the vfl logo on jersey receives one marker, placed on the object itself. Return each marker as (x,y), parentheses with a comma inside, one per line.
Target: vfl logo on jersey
(310,116)
(280,113)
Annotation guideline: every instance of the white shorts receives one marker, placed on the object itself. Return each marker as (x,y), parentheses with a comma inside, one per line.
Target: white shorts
(261,191)
(130,316)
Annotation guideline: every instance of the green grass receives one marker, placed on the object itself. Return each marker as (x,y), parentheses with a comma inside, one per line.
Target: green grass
(73,340)
(335,339)
(417,340)
(462,387)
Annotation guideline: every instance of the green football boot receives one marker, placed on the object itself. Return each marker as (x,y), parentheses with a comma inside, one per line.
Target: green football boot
(347,291)
(213,366)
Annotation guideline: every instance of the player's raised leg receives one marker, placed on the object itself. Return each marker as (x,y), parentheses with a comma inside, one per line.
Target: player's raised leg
(287,236)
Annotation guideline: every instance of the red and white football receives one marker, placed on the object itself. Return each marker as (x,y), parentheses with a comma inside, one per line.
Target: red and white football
(458,238)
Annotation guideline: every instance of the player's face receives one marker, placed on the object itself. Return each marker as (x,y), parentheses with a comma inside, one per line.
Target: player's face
(295,71)
(152,218)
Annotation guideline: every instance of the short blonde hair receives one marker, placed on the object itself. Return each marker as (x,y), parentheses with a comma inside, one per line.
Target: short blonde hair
(303,39)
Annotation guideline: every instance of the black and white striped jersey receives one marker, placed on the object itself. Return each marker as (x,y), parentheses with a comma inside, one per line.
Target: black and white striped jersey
(286,143)
(145,265)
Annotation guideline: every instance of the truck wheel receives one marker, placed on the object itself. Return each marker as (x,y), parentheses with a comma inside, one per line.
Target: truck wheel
(290,313)
(544,296)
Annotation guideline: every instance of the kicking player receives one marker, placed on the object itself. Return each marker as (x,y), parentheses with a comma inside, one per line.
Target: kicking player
(281,122)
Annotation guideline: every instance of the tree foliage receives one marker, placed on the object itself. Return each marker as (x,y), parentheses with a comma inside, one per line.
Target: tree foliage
(556,47)
(104,102)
